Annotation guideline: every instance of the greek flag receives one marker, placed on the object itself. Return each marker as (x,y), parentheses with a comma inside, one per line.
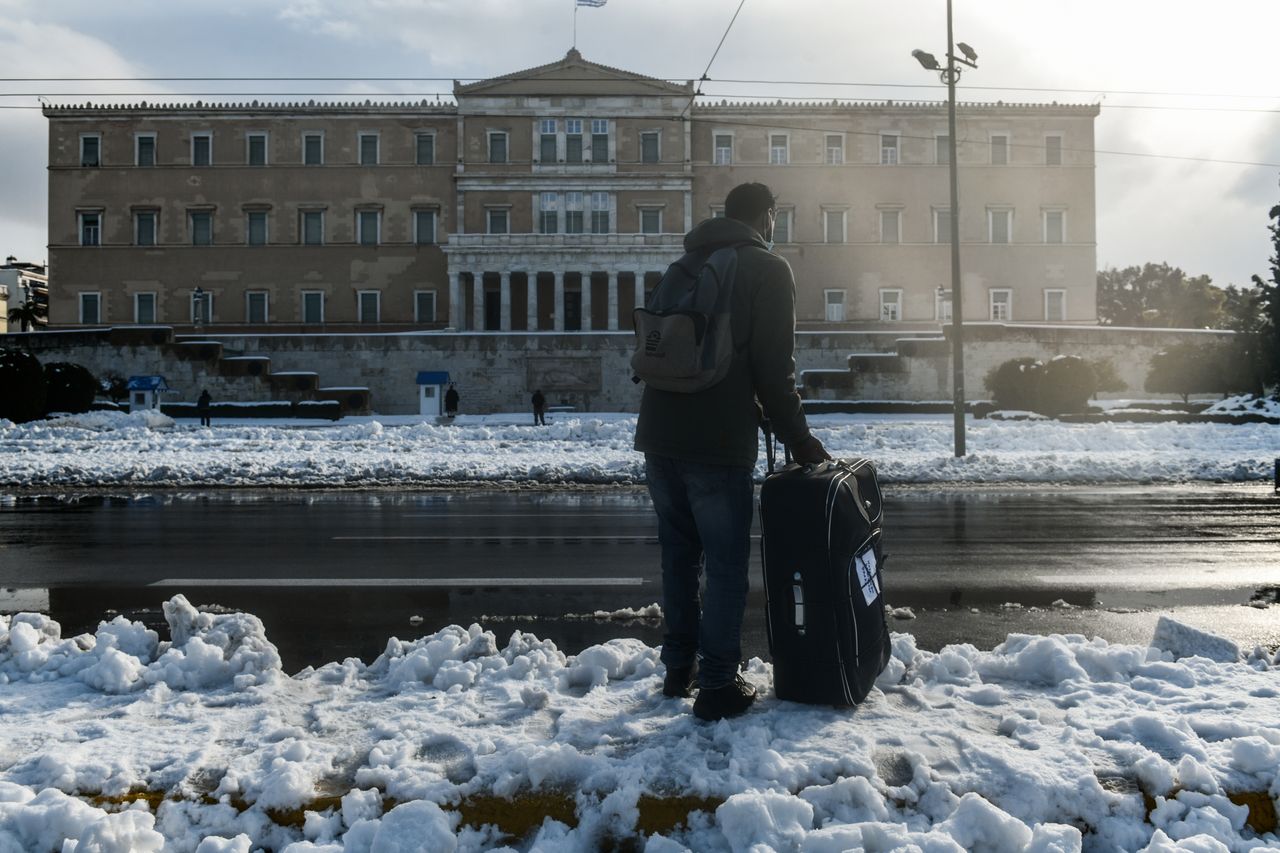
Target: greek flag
(596,3)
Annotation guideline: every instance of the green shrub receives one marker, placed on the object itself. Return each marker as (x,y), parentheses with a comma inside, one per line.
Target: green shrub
(1186,369)
(1015,384)
(68,388)
(1066,384)
(1063,385)
(1107,375)
(21,386)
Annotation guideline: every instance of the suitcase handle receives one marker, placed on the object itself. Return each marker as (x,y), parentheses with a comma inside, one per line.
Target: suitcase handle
(769,448)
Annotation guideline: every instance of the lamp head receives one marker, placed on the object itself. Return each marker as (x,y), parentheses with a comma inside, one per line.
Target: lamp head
(969,53)
(928,60)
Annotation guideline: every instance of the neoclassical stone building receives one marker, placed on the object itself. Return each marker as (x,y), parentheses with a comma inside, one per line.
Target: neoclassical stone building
(548,200)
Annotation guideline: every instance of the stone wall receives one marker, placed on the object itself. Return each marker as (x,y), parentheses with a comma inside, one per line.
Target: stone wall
(498,372)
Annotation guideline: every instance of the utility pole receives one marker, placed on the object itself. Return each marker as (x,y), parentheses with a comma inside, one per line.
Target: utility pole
(951,75)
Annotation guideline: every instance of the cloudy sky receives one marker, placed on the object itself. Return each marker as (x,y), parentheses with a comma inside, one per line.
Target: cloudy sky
(1176,78)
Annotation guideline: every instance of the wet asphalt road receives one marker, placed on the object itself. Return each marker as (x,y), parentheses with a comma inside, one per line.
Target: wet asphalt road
(334,574)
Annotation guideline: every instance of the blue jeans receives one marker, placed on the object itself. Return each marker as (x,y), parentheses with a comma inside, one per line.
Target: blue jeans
(704,522)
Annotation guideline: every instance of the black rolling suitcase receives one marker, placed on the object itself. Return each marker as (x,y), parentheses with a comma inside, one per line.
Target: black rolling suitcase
(820,546)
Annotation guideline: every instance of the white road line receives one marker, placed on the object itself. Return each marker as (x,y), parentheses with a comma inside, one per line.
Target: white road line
(533,516)
(394,582)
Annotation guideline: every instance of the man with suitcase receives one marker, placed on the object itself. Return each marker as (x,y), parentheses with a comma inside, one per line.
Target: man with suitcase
(700,452)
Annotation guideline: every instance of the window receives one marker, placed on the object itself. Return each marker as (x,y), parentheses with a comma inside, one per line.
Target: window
(497,146)
(890,306)
(425,148)
(1000,225)
(256,223)
(369,303)
(547,140)
(91,151)
(650,220)
(1001,304)
(649,146)
(201,222)
(255,306)
(890,231)
(424,227)
(573,140)
(144,149)
(717,211)
(1053,150)
(599,140)
(941,225)
(312,306)
(255,149)
(600,213)
(835,149)
(201,149)
(834,300)
(999,150)
(368,223)
(778,149)
(497,220)
(312,227)
(548,214)
(90,228)
(1055,306)
(368,149)
(1055,226)
(424,306)
(942,305)
(144,228)
(313,149)
(144,308)
(942,149)
(723,149)
(573,216)
(782,226)
(201,305)
(888,149)
(91,308)
(834,226)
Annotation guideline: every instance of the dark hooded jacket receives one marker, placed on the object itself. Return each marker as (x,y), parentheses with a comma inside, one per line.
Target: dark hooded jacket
(720,424)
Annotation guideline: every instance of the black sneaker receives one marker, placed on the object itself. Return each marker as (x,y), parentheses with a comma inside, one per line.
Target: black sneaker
(680,681)
(716,703)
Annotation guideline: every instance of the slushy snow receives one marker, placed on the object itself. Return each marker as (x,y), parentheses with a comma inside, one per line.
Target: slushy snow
(1044,743)
(149,449)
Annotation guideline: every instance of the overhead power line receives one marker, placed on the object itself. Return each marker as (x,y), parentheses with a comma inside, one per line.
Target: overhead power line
(714,54)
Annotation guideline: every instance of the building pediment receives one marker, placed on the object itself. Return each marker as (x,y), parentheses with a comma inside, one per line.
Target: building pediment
(571,75)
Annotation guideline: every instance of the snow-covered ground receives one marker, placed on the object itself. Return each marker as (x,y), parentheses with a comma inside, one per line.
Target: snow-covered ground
(118,743)
(148,449)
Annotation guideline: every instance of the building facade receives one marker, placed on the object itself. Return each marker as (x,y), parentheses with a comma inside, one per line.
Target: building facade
(551,200)
(23,283)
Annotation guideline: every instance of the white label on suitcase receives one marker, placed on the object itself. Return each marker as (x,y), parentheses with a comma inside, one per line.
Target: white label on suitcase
(866,563)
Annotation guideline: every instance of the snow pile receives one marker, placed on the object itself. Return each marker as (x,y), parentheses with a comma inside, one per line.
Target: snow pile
(207,651)
(1246,404)
(144,449)
(1043,743)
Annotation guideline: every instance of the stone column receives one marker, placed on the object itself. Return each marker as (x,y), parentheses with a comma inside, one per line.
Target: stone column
(457,311)
(559,318)
(477,301)
(639,274)
(506,300)
(531,287)
(613,300)
(586,302)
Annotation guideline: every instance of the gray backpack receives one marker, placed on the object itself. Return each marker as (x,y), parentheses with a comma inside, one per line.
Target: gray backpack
(684,335)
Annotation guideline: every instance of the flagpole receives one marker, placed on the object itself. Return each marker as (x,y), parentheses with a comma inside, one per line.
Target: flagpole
(575,24)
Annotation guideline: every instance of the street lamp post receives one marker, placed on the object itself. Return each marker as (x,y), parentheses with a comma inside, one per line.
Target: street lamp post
(950,75)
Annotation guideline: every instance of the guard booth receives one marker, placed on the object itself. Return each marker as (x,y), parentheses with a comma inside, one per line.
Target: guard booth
(431,387)
(145,392)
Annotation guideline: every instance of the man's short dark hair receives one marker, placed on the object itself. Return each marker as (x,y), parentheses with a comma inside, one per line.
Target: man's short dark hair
(746,202)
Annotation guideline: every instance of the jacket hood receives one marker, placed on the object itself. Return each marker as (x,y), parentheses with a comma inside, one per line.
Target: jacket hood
(720,231)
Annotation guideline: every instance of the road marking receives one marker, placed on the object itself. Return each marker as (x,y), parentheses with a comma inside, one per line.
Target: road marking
(532,537)
(395,582)
(535,516)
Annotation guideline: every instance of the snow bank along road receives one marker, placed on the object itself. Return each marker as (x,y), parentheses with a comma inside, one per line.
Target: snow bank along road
(146,448)
(115,742)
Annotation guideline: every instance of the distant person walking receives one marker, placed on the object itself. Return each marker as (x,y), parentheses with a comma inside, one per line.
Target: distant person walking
(539,408)
(202,407)
(451,401)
